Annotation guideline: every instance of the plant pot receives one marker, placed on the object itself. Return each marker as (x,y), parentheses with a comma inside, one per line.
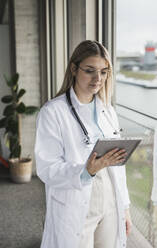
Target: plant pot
(20,170)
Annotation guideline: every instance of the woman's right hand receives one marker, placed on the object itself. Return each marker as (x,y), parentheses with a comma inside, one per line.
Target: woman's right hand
(110,158)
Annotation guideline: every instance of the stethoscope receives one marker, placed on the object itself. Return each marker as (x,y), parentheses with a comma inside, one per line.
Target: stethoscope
(86,138)
(116,132)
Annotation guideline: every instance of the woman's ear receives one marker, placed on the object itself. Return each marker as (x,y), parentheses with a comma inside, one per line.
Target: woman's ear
(73,69)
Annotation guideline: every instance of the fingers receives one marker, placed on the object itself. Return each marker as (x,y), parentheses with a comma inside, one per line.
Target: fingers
(120,156)
(110,153)
(115,153)
(128,227)
(91,168)
(92,157)
(114,157)
(118,161)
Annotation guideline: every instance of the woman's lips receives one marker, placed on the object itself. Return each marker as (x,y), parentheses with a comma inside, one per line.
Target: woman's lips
(94,85)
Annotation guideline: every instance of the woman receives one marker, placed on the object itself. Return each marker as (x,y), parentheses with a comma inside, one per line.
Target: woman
(87,198)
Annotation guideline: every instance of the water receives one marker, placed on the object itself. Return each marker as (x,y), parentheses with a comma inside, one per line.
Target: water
(138,98)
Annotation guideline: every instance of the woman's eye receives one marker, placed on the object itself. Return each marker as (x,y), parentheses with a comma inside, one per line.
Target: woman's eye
(104,72)
(89,71)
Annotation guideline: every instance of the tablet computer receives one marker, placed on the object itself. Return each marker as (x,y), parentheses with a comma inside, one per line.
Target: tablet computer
(103,146)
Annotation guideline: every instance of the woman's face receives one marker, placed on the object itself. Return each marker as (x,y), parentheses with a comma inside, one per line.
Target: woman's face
(91,75)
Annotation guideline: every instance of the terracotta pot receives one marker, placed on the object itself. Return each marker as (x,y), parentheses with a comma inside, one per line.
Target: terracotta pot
(20,170)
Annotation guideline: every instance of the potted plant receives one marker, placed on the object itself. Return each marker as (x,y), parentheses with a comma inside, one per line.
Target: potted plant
(20,168)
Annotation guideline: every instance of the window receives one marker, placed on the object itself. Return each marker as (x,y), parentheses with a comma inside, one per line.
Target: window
(136,86)
(136,101)
(76,23)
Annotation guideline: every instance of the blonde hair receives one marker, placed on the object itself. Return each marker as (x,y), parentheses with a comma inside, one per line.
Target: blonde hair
(84,50)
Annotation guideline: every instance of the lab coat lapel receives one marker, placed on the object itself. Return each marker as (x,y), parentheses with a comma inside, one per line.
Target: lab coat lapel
(99,106)
(75,102)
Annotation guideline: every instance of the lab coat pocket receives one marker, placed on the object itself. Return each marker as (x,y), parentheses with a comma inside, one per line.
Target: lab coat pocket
(66,197)
(64,213)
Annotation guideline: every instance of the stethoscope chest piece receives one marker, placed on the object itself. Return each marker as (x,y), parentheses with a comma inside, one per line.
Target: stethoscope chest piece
(116,131)
(87,140)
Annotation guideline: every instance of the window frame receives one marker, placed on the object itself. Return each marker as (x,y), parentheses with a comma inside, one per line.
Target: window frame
(109,34)
(12,45)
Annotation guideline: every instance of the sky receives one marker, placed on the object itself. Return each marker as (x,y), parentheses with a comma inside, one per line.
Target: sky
(136,24)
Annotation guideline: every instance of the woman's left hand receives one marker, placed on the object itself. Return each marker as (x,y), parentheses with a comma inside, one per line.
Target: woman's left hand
(128,222)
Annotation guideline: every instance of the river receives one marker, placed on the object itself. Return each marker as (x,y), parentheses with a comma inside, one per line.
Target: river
(140,99)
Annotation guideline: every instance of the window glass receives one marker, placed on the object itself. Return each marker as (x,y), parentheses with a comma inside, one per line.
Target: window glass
(136,86)
(136,104)
(76,22)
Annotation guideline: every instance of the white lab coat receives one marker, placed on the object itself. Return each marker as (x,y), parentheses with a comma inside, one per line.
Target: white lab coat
(61,156)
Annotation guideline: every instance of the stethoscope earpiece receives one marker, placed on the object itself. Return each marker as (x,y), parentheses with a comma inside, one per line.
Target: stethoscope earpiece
(115,131)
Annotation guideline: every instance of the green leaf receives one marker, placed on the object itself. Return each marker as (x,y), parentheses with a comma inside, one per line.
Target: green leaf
(15,88)
(9,110)
(16,152)
(21,93)
(6,140)
(7,99)
(7,81)
(30,110)
(3,122)
(13,80)
(21,108)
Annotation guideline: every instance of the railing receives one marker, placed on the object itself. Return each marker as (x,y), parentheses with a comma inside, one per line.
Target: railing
(139,170)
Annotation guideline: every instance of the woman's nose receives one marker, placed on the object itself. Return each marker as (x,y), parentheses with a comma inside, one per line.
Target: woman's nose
(98,75)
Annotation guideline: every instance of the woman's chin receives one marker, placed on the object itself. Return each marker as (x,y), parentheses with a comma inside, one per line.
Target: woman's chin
(95,88)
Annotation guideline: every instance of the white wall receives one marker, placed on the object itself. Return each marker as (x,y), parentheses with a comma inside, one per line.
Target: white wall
(27,62)
(4,69)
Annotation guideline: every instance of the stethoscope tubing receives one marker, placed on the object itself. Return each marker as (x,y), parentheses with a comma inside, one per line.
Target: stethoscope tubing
(87,138)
